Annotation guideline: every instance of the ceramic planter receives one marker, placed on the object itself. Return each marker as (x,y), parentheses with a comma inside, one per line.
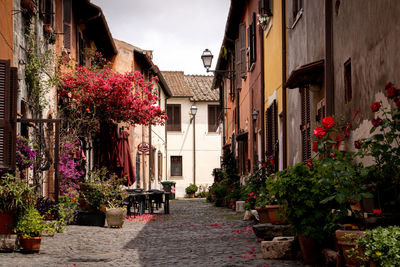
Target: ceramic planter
(115,217)
(31,244)
(346,240)
(276,214)
(310,249)
(262,214)
(6,223)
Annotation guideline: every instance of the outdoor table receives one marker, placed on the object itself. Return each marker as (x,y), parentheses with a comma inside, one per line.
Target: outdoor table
(144,201)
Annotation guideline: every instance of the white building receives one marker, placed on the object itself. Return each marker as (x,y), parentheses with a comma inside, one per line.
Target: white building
(193,143)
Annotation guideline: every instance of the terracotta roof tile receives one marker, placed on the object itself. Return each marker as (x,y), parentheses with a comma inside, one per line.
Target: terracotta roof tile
(201,87)
(177,84)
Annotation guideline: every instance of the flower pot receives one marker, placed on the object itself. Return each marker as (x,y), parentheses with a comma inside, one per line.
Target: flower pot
(276,214)
(191,195)
(310,249)
(29,5)
(91,218)
(346,240)
(30,244)
(7,223)
(115,217)
(47,28)
(263,214)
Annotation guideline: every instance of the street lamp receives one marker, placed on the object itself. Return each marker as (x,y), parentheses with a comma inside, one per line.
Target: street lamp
(254,115)
(207,57)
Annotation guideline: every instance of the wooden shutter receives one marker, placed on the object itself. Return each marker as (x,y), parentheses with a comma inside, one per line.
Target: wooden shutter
(253,39)
(271,131)
(242,38)
(81,49)
(211,118)
(305,123)
(238,65)
(67,17)
(47,12)
(160,162)
(231,82)
(8,114)
(177,117)
(249,44)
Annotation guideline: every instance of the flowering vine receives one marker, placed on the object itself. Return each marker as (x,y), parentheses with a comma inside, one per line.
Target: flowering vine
(25,154)
(69,170)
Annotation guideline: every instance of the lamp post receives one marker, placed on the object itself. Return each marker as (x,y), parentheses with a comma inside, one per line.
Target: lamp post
(254,115)
(193,112)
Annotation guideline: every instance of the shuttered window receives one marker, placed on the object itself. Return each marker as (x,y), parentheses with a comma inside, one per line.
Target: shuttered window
(297,6)
(160,164)
(232,88)
(242,38)
(174,117)
(67,17)
(305,123)
(176,165)
(8,114)
(265,7)
(238,65)
(47,12)
(213,113)
(251,33)
(271,131)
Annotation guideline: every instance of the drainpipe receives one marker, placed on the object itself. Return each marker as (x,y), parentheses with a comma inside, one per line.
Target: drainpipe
(329,93)
(151,159)
(284,97)
(166,143)
(194,149)
(262,88)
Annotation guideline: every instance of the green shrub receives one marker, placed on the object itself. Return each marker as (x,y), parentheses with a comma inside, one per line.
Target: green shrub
(191,189)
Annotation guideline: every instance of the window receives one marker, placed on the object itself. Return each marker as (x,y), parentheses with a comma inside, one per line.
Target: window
(305,123)
(232,87)
(176,165)
(347,82)
(251,34)
(174,117)
(271,131)
(47,12)
(81,50)
(67,17)
(213,113)
(297,6)
(160,164)
(266,7)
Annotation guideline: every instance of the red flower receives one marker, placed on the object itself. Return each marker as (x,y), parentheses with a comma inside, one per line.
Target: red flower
(357,144)
(392,92)
(388,85)
(376,122)
(319,132)
(264,164)
(310,164)
(375,106)
(315,146)
(377,212)
(328,122)
(272,161)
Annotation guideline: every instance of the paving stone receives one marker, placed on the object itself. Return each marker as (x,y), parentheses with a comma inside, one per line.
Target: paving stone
(278,248)
(194,234)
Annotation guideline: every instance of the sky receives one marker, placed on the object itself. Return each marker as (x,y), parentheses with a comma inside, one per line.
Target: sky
(177,31)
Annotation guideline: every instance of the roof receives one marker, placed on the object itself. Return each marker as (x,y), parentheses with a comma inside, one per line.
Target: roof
(177,84)
(201,87)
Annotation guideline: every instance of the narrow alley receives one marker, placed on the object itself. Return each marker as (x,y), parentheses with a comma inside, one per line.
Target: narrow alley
(194,234)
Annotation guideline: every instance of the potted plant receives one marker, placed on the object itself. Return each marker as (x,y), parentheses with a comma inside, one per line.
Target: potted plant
(191,190)
(14,197)
(114,195)
(381,246)
(30,227)
(299,191)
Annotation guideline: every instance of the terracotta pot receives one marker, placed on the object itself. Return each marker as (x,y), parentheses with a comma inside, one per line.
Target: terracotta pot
(355,205)
(115,217)
(263,214)
(276,214)
(347,239)
(7,223)
(191,195)
(310,249)
(30,5)
(47,28)
(30,244)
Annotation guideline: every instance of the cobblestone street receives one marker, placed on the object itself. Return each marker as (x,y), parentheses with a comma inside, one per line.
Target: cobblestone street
(194,234)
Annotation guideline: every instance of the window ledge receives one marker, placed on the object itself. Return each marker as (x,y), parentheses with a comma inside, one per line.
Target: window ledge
(176,177)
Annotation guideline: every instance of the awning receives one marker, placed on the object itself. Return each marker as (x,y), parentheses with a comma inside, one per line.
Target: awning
(312,73)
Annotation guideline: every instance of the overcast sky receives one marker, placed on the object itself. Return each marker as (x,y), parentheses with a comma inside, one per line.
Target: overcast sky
(177,31)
